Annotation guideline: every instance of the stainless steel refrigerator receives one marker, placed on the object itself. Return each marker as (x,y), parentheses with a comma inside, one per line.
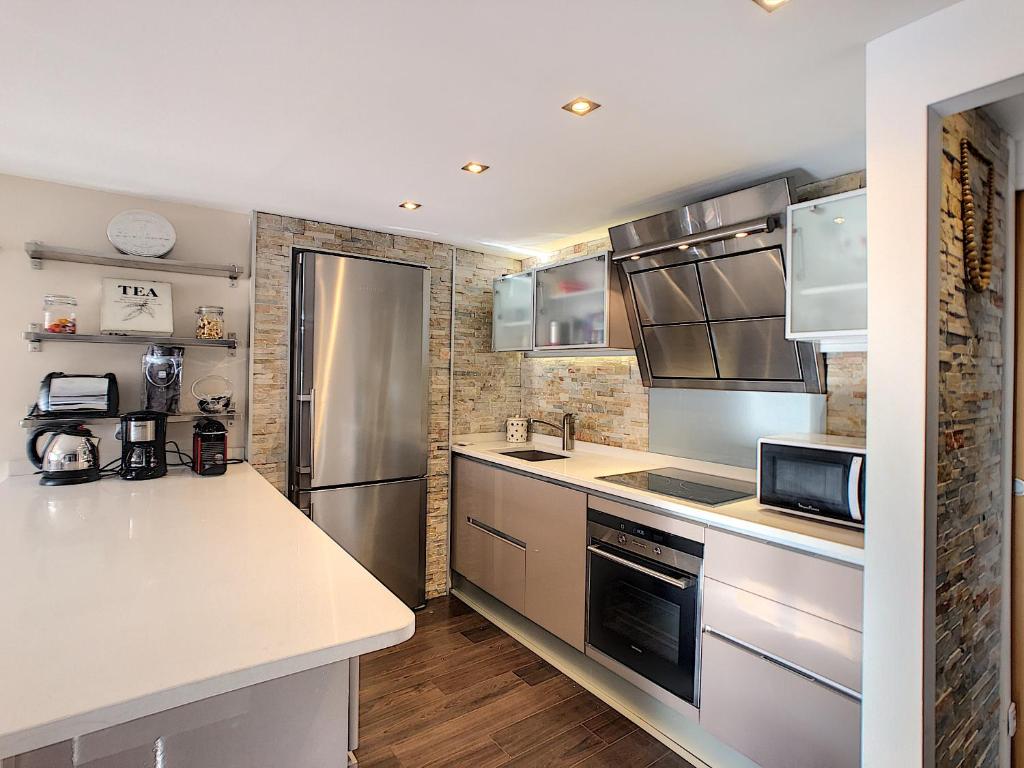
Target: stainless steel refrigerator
(359,410)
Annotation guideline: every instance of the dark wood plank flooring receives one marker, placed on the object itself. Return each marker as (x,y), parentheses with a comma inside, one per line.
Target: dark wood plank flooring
(463,693)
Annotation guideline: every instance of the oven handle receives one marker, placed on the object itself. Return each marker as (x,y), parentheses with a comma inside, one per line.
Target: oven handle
(682,582)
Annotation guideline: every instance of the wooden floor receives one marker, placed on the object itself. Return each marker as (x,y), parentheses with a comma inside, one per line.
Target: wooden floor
(463,693)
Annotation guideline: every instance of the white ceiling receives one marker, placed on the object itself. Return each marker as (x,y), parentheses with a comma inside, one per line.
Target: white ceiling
(338,110)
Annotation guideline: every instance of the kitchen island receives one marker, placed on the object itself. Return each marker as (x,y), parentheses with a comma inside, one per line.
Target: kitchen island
(207,613)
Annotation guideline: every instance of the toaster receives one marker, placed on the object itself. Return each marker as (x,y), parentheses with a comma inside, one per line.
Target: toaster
(77,393)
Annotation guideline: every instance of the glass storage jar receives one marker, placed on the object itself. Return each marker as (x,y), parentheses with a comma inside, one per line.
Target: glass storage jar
(210,323)
(59,314)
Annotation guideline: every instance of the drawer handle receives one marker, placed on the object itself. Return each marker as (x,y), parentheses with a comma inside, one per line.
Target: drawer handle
(496,533)
(807,674)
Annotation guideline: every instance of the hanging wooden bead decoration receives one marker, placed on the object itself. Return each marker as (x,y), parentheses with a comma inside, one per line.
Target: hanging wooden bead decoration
(977,259)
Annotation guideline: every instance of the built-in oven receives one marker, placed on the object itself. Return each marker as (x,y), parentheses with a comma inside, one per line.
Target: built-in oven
(643,605)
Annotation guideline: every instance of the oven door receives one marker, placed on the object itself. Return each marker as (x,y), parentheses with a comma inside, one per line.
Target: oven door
(644,615)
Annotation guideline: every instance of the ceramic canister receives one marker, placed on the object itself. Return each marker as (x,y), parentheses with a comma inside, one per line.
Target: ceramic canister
(517,429)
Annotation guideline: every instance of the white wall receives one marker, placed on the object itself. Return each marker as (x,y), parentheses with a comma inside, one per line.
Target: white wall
(968,46)
(75,217)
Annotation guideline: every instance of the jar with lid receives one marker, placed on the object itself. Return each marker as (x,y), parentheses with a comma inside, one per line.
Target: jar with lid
(59,314)
(210,322)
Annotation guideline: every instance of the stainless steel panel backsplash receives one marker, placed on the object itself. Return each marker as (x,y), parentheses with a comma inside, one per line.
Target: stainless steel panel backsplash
(723,427)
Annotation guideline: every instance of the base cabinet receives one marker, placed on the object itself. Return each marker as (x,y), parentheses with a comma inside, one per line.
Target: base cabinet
(300,721)
(775,716)
(493,562)
(524,542)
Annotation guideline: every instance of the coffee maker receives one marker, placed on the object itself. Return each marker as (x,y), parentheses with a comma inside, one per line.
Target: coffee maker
(143,445)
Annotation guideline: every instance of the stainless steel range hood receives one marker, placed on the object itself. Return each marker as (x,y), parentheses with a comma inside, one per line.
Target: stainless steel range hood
(705,292)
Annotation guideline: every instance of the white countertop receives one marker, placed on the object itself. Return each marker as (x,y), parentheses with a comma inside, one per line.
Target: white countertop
(588,462)
(120,599)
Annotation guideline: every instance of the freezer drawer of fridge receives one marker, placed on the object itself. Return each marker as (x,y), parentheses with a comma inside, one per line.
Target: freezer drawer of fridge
(383,526)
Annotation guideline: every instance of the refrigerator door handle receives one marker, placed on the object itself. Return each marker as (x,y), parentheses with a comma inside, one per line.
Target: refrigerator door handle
(311,399)
(312,435)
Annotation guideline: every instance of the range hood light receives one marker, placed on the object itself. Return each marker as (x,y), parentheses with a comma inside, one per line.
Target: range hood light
(635,258)
(742,234)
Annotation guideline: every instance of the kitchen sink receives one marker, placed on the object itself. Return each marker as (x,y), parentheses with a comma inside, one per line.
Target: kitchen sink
(533,455)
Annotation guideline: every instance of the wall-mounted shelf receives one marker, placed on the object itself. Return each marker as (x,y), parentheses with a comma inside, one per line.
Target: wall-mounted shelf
(31,421)
(36,337)
(39,252)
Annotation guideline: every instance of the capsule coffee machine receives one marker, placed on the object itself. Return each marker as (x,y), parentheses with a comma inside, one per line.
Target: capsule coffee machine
(143,445)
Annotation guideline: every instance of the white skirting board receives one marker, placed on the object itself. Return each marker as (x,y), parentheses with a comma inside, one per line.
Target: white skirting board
(672,729)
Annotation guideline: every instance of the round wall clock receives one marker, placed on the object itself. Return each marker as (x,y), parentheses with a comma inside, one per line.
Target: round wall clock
(141,233)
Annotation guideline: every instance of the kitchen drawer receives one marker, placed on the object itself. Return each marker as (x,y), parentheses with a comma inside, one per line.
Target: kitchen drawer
(487,557)
(823,588)
(774,716)
(663,522)
(823,647)
(476,489)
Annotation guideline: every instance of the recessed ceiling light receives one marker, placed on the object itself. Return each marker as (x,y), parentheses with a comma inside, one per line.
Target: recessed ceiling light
(410,205)
(839,220)
(771,5)
(581,106)
(476,168)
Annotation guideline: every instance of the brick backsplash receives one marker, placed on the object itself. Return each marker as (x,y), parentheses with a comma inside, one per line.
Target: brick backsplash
(486,384)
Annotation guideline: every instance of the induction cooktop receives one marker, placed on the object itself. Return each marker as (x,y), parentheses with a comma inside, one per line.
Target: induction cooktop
(709,490)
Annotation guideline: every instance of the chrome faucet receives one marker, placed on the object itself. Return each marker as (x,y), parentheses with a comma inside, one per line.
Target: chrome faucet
(568,429)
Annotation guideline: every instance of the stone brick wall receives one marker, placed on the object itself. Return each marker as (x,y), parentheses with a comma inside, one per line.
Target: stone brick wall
(606,393)
(846,375)
(486,385)
(969,513)
(275,236)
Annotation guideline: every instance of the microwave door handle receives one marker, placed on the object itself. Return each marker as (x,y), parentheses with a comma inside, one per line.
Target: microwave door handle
(681,583)
(853,488)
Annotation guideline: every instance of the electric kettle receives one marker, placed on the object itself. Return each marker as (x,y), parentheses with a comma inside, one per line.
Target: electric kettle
(70,456)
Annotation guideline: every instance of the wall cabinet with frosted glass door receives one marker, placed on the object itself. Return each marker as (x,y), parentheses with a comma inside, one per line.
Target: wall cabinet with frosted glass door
(827,288)
(570,305)
(578,305)
(512,326)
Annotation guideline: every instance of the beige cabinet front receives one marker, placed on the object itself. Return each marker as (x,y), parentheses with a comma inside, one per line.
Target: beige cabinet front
(493,562)
(774,715)
(548,520)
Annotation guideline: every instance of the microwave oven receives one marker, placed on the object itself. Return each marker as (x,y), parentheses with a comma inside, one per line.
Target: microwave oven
(815,476)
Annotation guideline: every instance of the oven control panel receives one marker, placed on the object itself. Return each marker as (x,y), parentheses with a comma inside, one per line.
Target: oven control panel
(649,542)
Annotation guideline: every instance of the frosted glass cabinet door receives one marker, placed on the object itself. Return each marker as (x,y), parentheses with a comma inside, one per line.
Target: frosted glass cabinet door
(513,313)
(572,303)
(828,292)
